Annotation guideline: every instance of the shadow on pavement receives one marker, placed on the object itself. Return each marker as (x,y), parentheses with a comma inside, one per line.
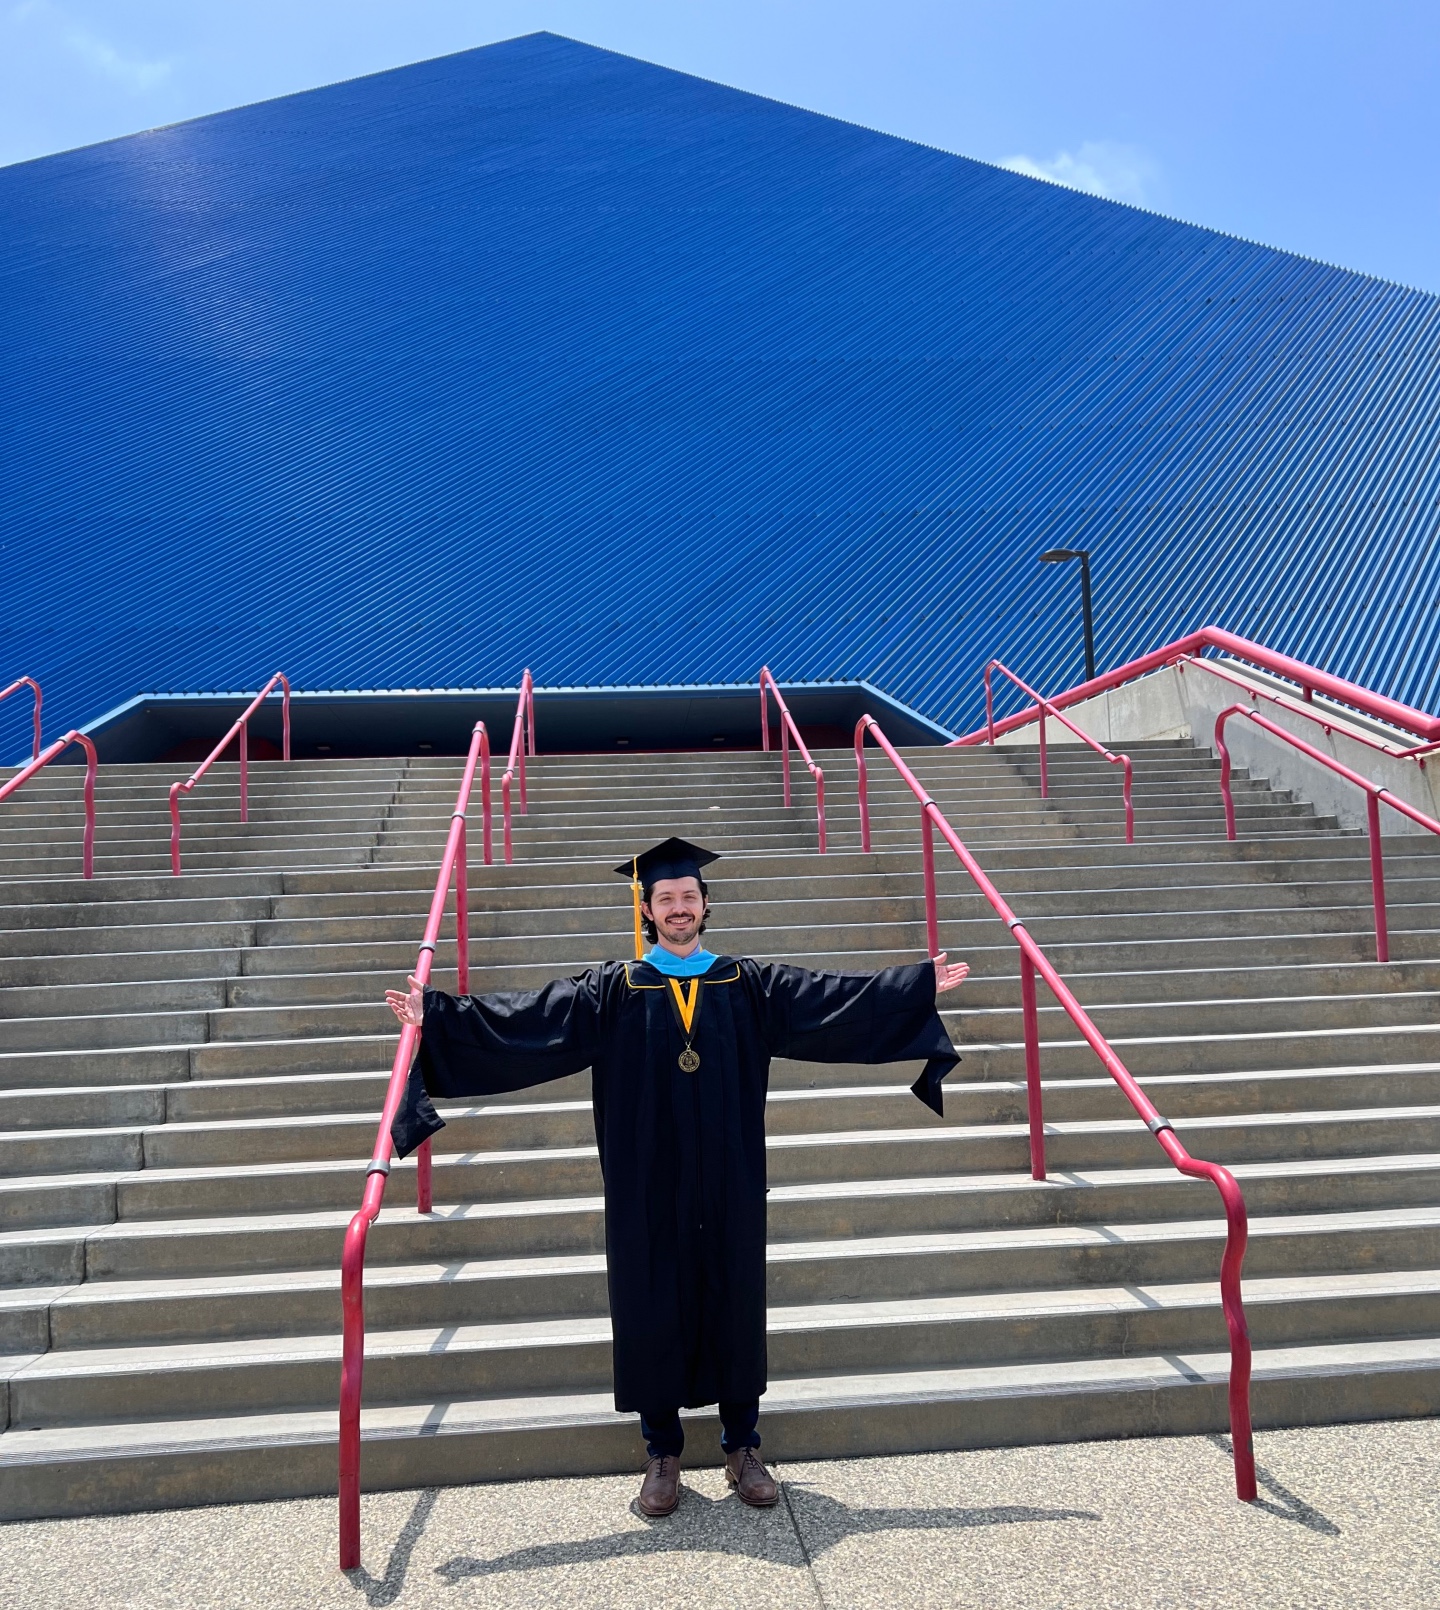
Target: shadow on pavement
(824,1521)
(725,1526)
(386,1590)
(1291,1507)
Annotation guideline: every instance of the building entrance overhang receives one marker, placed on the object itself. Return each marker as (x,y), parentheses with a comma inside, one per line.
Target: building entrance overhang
(438,721)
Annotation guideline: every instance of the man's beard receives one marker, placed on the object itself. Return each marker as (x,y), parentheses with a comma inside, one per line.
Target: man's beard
(679,930)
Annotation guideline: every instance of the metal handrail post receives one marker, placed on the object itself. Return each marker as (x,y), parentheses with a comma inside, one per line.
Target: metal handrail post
(927,863)
(462,915)
(525,725)
(1227,797)
(484,790)
(1129,801)
(516,761)
(862,792)
(1034,1098)
(1377,878)
(785,760)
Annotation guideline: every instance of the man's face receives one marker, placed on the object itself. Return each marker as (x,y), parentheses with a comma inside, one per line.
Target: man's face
(677,908)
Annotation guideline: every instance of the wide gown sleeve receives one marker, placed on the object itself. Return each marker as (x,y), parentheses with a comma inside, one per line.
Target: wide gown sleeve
(480,1045)
(887,1016)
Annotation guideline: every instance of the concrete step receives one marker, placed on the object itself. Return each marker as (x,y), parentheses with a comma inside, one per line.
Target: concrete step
(264,1200)
(529,1357)
(187,1012)
(542,1149)
(803,1097)
(466,1267)
(838,1160)
(142,1465)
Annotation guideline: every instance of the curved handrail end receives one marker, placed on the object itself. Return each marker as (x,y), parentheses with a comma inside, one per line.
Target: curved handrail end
(1034,960)
(43,759)
(241,729)
(34,686)
(352,1269)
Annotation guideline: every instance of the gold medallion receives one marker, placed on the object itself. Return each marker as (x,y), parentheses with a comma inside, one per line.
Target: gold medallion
(689,1060)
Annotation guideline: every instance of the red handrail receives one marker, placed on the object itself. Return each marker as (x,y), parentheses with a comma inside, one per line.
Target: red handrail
(1374,794)
(242,726)
(1045,707)
(1033,960)
(522,737)
(1310,680)
(1417,753)
(26,773)
(352,1267)
(788,729)
(15,686)
(484,789)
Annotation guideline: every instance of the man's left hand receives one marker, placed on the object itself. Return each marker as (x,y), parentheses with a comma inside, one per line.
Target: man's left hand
(949,976)
(408,1004)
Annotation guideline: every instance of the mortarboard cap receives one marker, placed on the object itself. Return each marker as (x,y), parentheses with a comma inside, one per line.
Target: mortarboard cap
(675,858)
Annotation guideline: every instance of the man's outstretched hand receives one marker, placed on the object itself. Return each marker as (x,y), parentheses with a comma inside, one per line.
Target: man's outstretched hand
(411,1008)
(949,976)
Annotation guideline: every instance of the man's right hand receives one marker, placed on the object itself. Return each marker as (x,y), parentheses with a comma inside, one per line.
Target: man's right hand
(410,1009)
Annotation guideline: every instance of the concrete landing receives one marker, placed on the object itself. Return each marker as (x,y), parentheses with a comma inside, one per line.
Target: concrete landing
(1348,1515)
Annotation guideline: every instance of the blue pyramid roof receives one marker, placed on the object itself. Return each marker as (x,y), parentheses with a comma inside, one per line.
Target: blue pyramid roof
(539,354)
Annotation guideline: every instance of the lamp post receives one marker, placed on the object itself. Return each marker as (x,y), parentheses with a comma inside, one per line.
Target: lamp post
(1058,556)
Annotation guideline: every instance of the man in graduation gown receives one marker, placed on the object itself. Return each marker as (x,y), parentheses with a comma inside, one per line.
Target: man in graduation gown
(679,1047)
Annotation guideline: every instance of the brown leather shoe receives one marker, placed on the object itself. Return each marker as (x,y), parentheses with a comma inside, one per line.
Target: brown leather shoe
(753,1484)
(660,1491)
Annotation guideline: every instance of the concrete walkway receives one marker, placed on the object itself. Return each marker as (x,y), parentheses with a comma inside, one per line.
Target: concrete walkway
(1348,1516)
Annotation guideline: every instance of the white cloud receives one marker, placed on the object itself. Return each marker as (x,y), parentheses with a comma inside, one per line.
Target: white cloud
(1099,167)
(105,59)
(130,71)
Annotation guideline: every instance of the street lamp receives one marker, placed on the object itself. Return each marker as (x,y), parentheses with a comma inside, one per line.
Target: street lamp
(1058,556)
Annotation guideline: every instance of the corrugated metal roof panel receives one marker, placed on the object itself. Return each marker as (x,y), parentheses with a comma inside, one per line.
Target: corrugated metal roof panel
(538,354)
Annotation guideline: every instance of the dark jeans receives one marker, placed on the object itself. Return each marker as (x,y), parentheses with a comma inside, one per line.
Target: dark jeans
(664,1434)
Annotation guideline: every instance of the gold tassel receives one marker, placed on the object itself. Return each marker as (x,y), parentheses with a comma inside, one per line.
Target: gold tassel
(635,894)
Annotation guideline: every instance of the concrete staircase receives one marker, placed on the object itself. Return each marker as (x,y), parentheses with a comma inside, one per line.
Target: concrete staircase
(191,1070)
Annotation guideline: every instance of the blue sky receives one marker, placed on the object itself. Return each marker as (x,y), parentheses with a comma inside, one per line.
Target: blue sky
(1306,124)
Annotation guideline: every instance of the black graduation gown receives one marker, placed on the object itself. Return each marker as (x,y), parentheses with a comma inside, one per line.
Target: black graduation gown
(682,1154)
